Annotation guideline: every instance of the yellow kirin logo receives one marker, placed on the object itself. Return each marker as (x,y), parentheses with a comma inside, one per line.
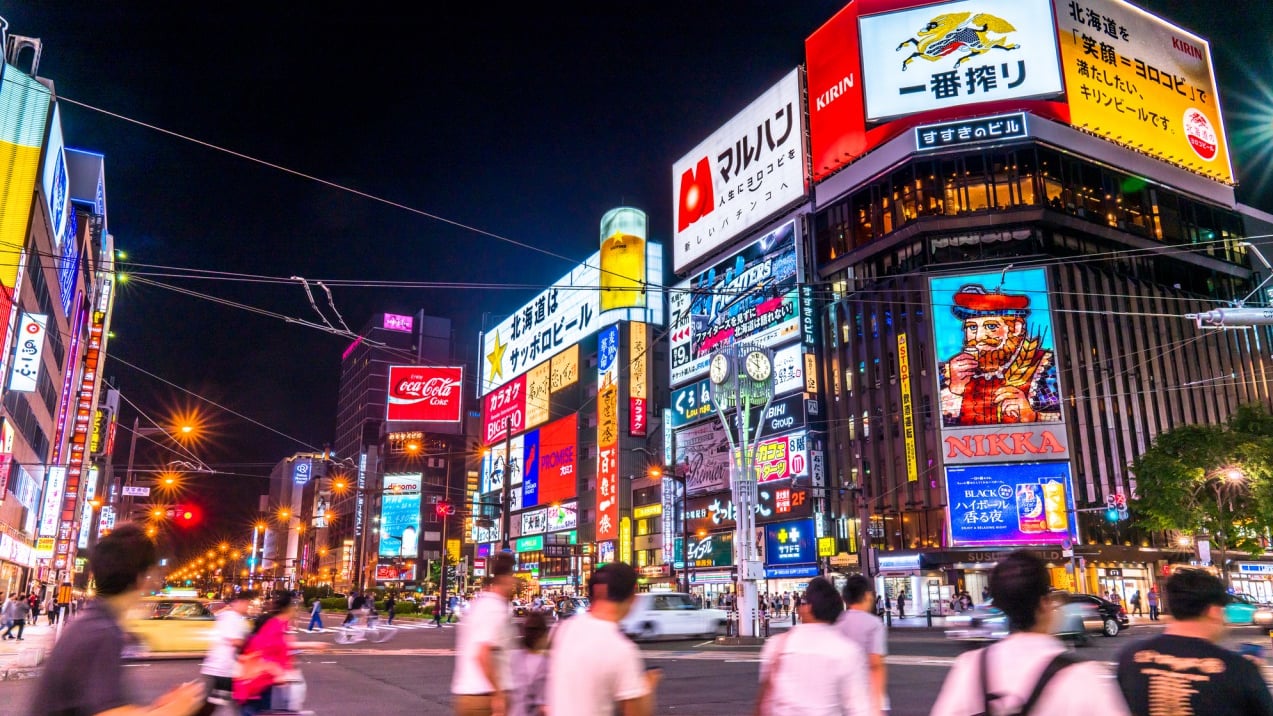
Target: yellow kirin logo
(960,34)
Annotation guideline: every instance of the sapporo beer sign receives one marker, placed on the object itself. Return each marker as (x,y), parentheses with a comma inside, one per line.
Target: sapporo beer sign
(425,394)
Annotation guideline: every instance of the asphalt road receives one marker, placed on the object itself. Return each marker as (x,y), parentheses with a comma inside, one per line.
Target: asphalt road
(412,672)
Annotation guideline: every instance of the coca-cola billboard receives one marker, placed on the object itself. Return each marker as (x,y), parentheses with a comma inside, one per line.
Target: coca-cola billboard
(430,394)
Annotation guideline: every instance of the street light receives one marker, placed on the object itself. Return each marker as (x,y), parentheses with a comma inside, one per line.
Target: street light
(679,480)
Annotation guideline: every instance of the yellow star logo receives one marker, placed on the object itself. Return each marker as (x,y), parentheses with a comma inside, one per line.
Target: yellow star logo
(496,358)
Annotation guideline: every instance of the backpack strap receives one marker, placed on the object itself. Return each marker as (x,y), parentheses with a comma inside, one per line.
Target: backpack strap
(986,696)
(1059,662)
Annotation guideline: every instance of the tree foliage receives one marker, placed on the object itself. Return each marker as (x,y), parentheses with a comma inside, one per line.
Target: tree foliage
(1211,479)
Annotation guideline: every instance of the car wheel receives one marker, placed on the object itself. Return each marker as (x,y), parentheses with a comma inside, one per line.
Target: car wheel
(1082,640)
(1111,627)
(647,631)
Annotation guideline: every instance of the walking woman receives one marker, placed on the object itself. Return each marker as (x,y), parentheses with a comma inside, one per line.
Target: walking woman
(266,662)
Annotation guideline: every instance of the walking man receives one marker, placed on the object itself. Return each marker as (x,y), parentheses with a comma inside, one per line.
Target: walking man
(84,674)
(592,667)
(813,669)
(15,613)
(50,608)
(484,641)
(1135,600)
(861,626)
(390,603)
(352,601)
(231,629)
(1184,670)
(901,604)
(1152,597)
(316,615)
(1017,674)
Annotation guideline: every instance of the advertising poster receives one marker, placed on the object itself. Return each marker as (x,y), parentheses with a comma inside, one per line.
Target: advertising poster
(1020,503)
(782,457)
(739,176)
(908,409)
(789,369)
(419,393)
(564,369)
(397,322)
(400,516)
(28,352)
(564,516)
(1142,82)
(692,404)
(530,478)
(790,543)
(751,296)
(996,367)
(837,109)
(608,434)
(558,477)
(54,484)
(703,451)
(958,53)
(302,471)
(713,550)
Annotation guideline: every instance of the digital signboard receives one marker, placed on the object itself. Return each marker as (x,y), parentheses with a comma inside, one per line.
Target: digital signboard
(790,543)
(400,516)
(777,501)
(753,295)
(425,393)
(1019,503)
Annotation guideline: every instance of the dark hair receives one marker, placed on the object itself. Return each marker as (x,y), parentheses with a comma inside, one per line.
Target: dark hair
(120,560)
(856,587)
(534,628)
(1190,592)
(501,564)
(278,604)
(823,600)
(1018,585)
(619,580)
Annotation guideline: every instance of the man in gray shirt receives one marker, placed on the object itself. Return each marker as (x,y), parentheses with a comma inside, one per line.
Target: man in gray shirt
(15,613)
(863,628)
(83,675)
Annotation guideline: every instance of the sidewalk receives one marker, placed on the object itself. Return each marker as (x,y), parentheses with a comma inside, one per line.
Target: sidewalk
(20,659)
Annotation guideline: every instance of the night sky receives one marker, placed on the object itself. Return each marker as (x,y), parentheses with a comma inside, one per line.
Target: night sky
(522,123)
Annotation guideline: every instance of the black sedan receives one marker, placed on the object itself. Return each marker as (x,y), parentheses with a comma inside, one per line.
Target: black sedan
(1114,617)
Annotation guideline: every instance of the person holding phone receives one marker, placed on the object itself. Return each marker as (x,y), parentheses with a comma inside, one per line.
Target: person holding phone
(84,673)
(1184,670)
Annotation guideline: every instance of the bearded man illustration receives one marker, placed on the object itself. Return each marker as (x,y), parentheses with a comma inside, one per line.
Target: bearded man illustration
(1002,374)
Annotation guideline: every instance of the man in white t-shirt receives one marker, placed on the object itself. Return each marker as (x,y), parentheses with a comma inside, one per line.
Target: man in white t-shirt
(1022,590)
(859,625)
(227,637)
(484,641)
(593,668)
(813,669)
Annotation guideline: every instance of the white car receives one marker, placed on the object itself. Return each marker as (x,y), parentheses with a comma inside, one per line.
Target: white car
(671,614)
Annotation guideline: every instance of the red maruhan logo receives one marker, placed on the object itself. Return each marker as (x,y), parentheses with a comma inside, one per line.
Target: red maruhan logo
(696,198)
(959,34)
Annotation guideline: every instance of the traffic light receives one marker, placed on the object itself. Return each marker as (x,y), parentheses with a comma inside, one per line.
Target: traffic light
(1111,509)
(185,516)
(442,508)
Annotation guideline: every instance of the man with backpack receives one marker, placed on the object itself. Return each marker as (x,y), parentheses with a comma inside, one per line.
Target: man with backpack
(1030,671)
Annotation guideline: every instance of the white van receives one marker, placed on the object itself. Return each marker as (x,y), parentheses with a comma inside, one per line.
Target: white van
(671,614)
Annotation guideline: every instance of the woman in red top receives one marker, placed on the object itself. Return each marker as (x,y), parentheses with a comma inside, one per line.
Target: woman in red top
(266,657)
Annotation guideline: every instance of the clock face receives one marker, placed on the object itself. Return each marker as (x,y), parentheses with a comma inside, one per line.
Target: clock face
(720,369)
(758,366)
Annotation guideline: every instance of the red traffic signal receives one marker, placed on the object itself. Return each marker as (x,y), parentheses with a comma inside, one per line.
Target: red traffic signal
(443,508)
(185,515)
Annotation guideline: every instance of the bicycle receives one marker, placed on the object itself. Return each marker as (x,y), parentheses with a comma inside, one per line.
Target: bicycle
(371,631)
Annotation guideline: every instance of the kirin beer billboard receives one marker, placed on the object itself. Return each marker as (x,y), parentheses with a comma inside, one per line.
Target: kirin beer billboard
(429,394)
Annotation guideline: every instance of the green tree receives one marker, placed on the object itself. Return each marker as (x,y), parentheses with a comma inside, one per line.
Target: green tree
(1215,480)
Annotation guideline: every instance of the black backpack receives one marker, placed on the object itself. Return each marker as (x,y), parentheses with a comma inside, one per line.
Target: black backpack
(1059,662)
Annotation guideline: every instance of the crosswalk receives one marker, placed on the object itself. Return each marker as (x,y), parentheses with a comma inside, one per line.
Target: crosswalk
(399,626)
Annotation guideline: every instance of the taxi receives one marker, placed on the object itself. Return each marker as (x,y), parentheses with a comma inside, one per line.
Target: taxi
(169,626)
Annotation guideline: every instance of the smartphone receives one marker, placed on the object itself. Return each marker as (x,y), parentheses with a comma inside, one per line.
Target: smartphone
(1249,649)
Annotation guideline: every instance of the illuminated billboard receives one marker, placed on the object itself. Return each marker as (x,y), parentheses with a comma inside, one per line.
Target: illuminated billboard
(608,434)
(1142,82)
(940,56)
(424,393)
(777,501)
(396,322)
(566,313)
(29,352)
(400,516)
(494,468)
(837,110)
(741,175)
(552,463)
(752,296)
(55,180)
(1020,503)
(638,373)
(703,450)
(504,411)
(996,367)
(24,113)
(790,543)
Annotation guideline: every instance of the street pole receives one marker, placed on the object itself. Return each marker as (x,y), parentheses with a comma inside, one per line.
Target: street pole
(505,495)
(685,536)
(442,578)
(128,474)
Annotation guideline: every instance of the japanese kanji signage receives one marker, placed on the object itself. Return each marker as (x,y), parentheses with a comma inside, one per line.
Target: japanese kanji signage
(752,295)
(1142,82)
(908,409)
(638,372)
(691,404)
(777,501)
(970,131)
(958,53)
(782,457)
(741,175)
(608,434)
(560,317)
(537,392)
(505,411)
(28,352)
(790,543)
(1030,503)
(564,371)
